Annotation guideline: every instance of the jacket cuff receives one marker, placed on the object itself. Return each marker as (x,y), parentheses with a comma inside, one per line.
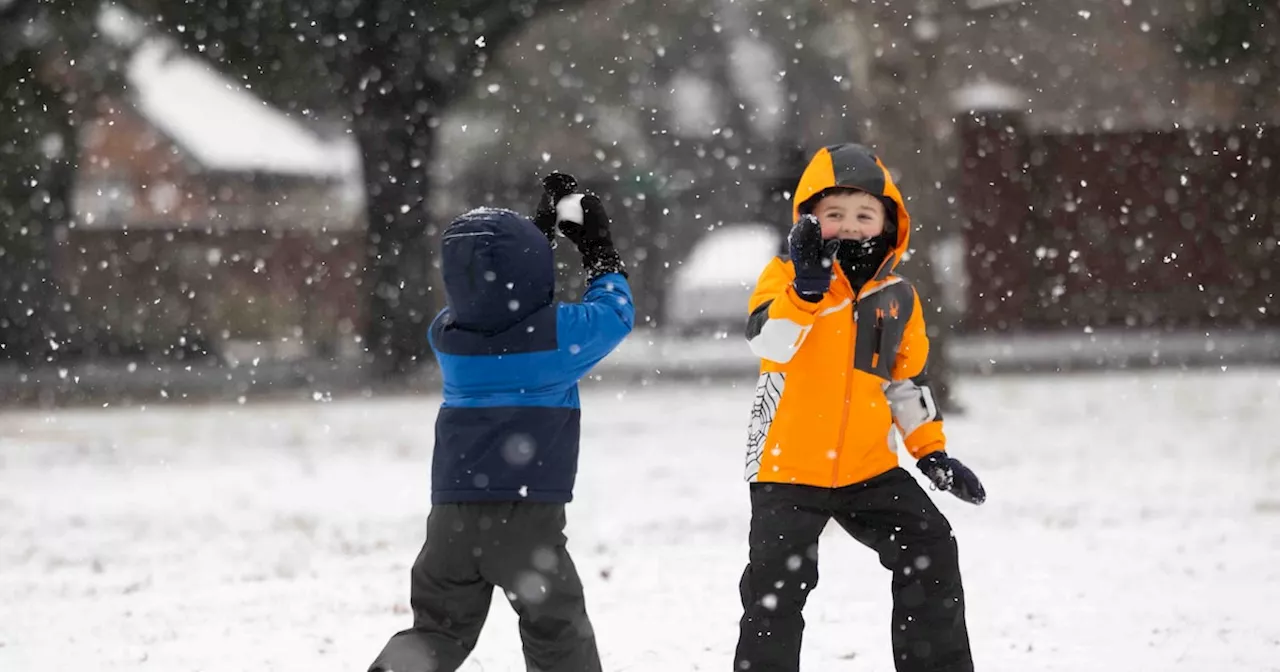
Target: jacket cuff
(795,308)
(927,438)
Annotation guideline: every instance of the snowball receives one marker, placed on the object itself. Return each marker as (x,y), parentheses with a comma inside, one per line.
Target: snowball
(569,209)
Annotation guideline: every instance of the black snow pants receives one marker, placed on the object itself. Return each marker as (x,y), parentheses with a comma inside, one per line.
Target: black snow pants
(473,547)
(892,515)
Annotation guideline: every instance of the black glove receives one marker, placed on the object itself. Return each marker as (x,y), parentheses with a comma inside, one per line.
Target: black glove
(554,187)
(947,473)
(812,258)
(594,241)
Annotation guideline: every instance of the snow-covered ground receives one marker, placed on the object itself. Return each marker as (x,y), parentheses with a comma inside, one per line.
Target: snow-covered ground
(1133,524)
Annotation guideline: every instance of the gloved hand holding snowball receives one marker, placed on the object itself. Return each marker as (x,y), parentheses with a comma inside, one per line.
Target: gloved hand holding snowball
(582,219)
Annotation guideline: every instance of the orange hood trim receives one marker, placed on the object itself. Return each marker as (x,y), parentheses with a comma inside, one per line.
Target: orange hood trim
(856,167)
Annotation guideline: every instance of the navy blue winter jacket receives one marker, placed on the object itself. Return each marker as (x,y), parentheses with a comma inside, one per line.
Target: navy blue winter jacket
(511,359)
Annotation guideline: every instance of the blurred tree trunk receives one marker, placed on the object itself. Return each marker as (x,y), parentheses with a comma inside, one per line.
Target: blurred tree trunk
(399,89)
(33,196)
(914,131)
(396,103)
(937,142)
(40,44)
(399,254)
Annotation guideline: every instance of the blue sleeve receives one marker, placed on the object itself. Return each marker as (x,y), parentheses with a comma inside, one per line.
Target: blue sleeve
(587,332)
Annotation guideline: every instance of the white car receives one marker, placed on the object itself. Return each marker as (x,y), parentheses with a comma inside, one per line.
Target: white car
(709,291)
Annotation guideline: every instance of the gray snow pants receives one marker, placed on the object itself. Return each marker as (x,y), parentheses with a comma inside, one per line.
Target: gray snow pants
(473,547)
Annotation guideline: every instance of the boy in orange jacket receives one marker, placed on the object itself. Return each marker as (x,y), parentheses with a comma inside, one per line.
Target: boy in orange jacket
(843,351)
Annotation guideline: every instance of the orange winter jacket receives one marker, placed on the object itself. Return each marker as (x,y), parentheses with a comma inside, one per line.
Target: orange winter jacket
(836,376)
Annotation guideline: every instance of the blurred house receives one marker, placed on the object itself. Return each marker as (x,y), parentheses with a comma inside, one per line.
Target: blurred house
(207,221)
(1169,229)
(1107,180)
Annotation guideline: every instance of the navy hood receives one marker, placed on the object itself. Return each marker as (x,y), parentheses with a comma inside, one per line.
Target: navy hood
(498,269)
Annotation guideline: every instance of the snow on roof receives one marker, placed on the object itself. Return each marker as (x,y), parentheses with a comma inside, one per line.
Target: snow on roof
(988,95)
(222,124)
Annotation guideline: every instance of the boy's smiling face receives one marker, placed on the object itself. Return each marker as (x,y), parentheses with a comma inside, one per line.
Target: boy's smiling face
(852,215)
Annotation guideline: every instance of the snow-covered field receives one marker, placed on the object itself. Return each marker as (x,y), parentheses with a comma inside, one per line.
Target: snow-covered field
(1133,524)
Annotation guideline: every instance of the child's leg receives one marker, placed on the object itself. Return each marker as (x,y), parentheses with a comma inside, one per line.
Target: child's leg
(786,521)
(450,600)
(525,554)
(895,517)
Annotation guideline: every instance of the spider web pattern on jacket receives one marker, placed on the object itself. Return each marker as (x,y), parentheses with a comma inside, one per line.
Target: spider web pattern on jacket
(763,409)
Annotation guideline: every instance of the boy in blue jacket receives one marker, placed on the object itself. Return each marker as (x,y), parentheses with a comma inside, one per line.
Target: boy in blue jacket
(506,449)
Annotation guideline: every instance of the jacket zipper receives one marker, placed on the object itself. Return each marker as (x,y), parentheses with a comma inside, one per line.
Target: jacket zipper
(848,380)
(878,339)
(848,386)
